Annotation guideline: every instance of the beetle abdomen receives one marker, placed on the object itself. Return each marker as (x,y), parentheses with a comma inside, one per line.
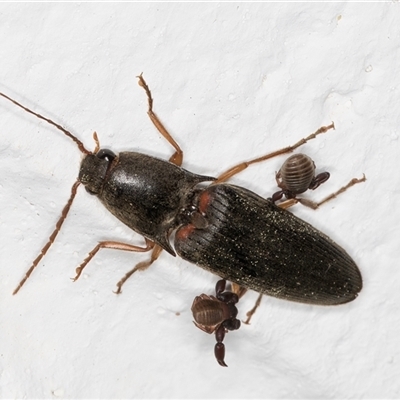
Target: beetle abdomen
(250,241)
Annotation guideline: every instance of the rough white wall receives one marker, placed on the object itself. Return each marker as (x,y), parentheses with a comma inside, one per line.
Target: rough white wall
(231,82)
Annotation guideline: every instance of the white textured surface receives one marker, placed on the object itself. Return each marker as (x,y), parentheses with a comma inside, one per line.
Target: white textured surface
(231,82)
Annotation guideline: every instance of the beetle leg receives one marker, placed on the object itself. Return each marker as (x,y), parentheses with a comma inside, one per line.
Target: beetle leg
(353,182)
(112,245)
(52,237)
(253,310)
(140,266)
(177,157)
(97,143)
(314,205)
(242,166)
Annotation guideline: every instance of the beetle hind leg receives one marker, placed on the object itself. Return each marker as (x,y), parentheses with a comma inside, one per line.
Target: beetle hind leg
(314,205)
(139,267)
(353,182)
(250,313)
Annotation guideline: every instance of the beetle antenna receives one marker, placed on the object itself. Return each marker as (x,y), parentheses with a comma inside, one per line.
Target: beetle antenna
(49,121)
(51,238)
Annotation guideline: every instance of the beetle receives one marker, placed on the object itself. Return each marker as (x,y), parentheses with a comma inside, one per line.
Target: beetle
(226,229)
(217,314)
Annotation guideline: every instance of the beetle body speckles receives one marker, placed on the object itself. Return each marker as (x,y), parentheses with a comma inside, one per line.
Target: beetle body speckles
(255,244)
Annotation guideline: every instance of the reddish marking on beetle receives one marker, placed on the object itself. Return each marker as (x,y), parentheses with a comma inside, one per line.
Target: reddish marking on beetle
(184,232)
(204,201)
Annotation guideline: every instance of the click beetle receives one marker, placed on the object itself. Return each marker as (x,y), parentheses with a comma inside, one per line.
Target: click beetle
(226,229)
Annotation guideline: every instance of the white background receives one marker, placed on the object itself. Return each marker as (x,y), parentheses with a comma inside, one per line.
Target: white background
(231,82)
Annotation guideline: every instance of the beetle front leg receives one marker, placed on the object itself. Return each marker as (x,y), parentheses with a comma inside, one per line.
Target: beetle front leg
(177,157)
(242,166)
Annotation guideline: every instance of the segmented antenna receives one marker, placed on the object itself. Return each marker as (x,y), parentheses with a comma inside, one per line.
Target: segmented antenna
(49,121)
(52,237)
(73,189)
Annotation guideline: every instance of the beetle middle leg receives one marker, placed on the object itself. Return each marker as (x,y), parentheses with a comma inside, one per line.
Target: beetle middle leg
(243,165)
(139,267)
(177,157)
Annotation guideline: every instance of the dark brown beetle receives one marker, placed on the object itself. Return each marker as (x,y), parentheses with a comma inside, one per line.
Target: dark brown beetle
(223,228)
(217,314)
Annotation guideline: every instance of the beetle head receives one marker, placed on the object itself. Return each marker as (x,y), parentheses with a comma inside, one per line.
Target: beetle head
(94,169)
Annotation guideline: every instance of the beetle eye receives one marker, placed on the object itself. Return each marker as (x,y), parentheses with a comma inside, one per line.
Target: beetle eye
(105,154)
(89,191)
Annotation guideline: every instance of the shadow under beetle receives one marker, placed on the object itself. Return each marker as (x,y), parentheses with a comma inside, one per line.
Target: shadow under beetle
(226,229)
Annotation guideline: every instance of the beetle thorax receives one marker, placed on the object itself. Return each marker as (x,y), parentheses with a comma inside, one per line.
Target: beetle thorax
(94,169)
